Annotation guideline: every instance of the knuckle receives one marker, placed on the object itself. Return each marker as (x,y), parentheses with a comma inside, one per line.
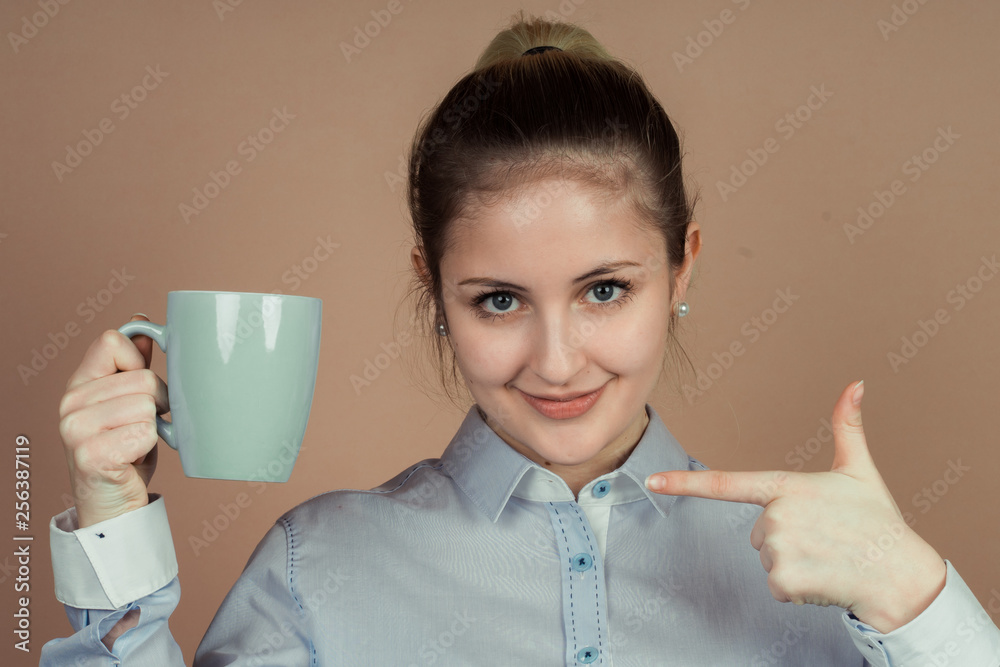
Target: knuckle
(69,428)
(148,381)
(780,577)
(844,427)
(84,457)
(65,434)
(774,516)
(141,433)
(147,403)
(759,495)
(149,430)
(67,403)
(721,483)
(110,338)
(775,544)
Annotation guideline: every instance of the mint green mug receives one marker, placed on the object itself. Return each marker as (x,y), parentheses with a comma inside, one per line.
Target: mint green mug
(241,370)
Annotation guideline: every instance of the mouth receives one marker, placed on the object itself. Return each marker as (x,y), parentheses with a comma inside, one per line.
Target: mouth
(564,407)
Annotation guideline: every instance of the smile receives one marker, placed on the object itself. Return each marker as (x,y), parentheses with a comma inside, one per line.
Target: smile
(563,409)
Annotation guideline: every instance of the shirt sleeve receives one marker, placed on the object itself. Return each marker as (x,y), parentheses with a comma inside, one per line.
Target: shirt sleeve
(953,630)
(114,562)
(262,621)
(101,573)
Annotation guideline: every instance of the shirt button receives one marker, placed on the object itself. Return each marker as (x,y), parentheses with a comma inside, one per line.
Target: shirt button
(601,489)
(587,655)
(582,562)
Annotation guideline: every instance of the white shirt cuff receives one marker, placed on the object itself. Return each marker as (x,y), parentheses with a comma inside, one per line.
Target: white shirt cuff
(114,562)
(954,626)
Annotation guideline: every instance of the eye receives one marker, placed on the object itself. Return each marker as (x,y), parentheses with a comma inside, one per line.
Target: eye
(504,302)
(604,291)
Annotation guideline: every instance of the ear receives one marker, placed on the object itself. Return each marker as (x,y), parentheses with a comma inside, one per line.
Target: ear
(419,265)
(692,246)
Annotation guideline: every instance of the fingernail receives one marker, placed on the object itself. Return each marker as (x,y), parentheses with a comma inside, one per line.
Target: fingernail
(143,314)
(859,391)
(655,483)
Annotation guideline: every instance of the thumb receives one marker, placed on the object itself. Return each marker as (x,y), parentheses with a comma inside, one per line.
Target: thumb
(850,449)
(143,343)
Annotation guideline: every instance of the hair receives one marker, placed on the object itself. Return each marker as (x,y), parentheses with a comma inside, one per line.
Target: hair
(514,119)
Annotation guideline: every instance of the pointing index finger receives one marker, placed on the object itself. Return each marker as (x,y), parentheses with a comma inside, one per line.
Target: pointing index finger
(759,488)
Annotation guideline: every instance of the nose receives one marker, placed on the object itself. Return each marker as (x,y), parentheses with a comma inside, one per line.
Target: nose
(559,353)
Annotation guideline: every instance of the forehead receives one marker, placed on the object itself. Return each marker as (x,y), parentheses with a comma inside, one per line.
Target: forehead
(555,221)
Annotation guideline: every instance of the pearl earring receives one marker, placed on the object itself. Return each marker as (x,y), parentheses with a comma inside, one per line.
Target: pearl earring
(682,309)
(441,329)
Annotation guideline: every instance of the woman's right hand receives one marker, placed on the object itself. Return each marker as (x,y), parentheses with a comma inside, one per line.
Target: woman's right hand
(107,422)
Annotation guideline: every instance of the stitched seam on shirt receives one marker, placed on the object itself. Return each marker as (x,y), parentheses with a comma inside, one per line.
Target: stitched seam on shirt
(407,478)
(569,558)
(597,590)
(292,556)
(416,467)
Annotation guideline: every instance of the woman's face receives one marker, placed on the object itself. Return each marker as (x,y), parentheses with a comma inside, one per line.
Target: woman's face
(557,294)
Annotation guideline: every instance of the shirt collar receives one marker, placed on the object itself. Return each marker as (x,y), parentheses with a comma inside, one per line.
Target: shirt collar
(489,471)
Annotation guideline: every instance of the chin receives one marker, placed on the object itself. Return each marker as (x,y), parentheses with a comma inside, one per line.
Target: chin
(565,444)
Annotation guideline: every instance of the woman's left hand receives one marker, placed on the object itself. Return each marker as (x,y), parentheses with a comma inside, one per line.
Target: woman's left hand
(830,538)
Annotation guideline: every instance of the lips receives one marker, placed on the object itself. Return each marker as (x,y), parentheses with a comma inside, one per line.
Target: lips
(560,398)
(566,407)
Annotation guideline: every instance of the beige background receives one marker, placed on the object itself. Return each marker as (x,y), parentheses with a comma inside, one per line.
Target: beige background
(325,176)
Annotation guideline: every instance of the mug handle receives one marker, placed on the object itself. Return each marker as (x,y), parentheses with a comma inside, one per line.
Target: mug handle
(164,429)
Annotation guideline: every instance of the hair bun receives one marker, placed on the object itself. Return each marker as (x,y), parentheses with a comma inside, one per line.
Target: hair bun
(529,35)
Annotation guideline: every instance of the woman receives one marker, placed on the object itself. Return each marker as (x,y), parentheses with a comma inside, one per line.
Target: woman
(554,247)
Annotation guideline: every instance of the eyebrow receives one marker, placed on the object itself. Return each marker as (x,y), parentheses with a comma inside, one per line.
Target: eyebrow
(607,267)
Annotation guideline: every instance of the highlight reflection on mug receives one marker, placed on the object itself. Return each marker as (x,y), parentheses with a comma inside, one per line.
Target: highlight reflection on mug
(234,328)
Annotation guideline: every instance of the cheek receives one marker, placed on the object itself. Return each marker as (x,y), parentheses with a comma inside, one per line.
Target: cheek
(488,359)
(633,345)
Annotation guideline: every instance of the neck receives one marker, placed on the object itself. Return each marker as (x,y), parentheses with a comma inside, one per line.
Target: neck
(577,476)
